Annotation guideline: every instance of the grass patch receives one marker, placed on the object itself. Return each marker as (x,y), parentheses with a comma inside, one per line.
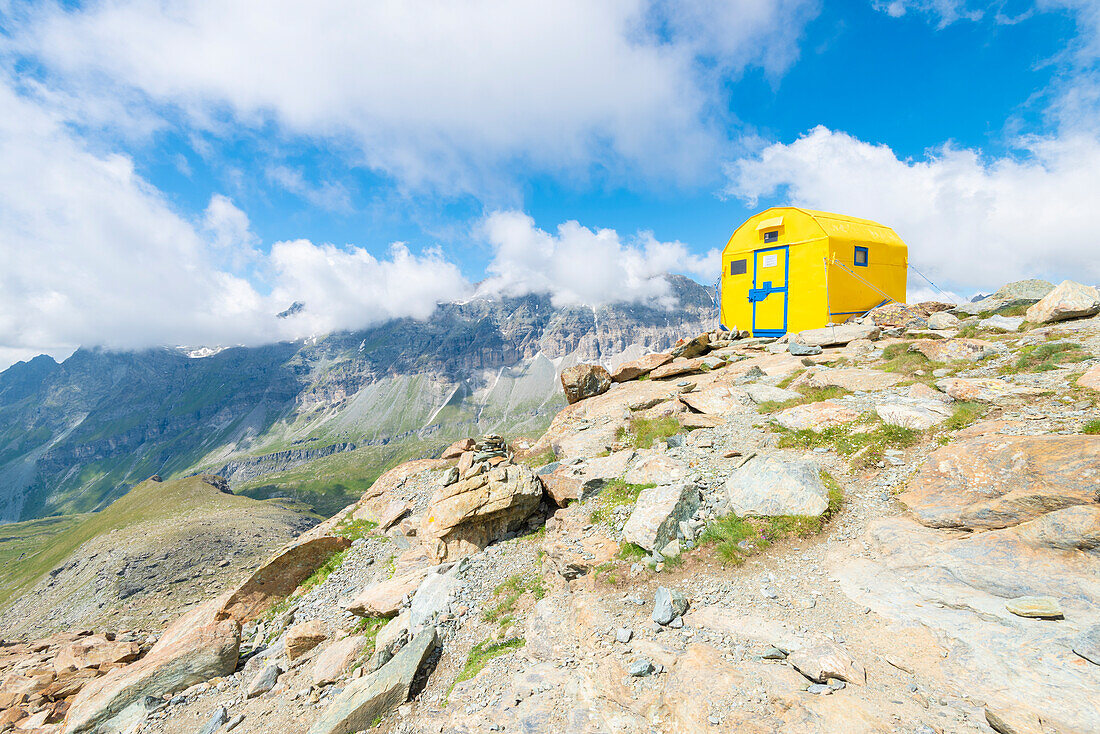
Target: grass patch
(642,432)
(536,460)
(354,529)
(510,591)
(481,654)
(1092,428)
(607,573)
(809,395)
(786,381)
(898,359)
(726,534)
(965,414)
(631,552)
(865,443)
(1046,357)
(323,572)
(616,494)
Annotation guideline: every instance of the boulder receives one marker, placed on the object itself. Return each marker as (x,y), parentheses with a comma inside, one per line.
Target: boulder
(1067,301)
(1032,289)
(768,486)
(917,416)
(816,416)
(999,481)
(301,638)
(1037,607)
(654,467)
(954,350)
(280,576)
(921,392)
(716,400)
(336,659)
(365,699)
(825,660)
(769,394)
(668,604)
(264,681)
(468,515)
(906,315)
(855,379)
(1091,378)
(562,486)
(93,651)
(943,320)
(658,512)
(432,600)
(798,349)
(457,448)
(384,598)
(584,381)
(677,367)
(634,369)
(391,638)
(397,509)
(689,348)
(1002,323)
(200,645)
(833,335)
(979,389)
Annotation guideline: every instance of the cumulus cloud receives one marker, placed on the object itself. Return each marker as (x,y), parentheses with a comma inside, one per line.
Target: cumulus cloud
(432,92)
(969,221)
(578,265)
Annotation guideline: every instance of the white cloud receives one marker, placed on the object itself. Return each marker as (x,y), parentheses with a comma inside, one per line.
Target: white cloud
(327,195)
(969,222)
(437,93)
(583,266)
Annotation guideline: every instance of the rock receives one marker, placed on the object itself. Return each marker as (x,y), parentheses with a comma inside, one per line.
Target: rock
(798,349)
(768,394)
(301,638)
(1068,300)
(826,660)
(1039,607)
(831,335)
(1002,323)
(93,651)
(816,416)
(1088,644)
(384,599)
(918,417)
(234,722)
(562,487)
(691,348)
(397,509)
(859,347)
(336,659)
(1015,721)
(768,486)
(1032,290)
(216,720)
(998,481)
(264,681)
(717,400)
(677,367)
(642,366)
(641,668)
(979,389)
(922,393)
(655,468)
(658,512)
(624,635)
(774,653)
(466,516)
(1091,378)
(456,449)
(280,576)
(199,646)
(943,320)
(584,381)
(432,599)
(389,640)
(364,699)
(855,379)
(668,604)
(953,350)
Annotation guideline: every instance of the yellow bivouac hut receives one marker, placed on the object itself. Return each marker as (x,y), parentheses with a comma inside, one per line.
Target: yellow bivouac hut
(788,269)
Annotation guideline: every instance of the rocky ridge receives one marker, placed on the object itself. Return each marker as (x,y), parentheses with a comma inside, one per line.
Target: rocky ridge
(742,535)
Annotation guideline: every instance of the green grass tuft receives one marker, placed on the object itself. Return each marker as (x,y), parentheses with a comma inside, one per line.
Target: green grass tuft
(615,494)
(641,433)
(809,395)
(481,654)
(1092,428)
(511,590)
(1046,357)
(536,460)
(323,571)
(865,443)
(354,529)
(965,414)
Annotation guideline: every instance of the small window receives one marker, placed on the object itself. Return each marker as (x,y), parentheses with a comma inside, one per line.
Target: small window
(739,267)
(772,236)
(769,261)
(861,257)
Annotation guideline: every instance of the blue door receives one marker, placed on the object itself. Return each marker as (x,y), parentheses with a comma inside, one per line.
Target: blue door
(771,268)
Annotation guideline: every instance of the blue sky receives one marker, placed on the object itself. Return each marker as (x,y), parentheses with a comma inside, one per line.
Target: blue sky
(178,173)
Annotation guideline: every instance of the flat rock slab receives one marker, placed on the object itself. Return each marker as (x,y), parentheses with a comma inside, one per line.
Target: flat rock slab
(955,350)
(717,400)
(916,416)
(384,599)
(825,660)
(658,512)
(855,379)
(677,367)
(642,366)
(367,698)
(816,416)
(769,486)
(1002,323)
(655,468)
(1091,378)
(1088,644)
(1039,607)
(981,389)
(770,394)
(336,659)
(998,481)
(832,335)
(303,637)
